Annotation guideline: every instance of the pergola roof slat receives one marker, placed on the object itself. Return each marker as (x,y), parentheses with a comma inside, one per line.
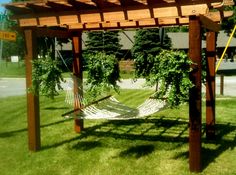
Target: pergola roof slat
(60,5)
(39,7)
(106,4)
(120,4)
(89,14)
(18,9)
(82,5)
(152,22)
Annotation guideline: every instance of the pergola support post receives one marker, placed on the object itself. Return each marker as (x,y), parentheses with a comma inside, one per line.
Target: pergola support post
(210,84)
(78,77)
(195,103)
(34,142)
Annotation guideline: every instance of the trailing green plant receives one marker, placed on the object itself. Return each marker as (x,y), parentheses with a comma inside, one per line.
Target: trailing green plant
(103,74)
(46,76)
(171,70)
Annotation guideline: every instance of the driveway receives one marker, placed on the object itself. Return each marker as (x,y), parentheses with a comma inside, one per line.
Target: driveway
(16,86)
(12,87)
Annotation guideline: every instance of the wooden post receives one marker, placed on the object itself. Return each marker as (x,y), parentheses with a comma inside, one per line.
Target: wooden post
(195,103)
(221,84)
(210,84)
(32,99)
(78,77)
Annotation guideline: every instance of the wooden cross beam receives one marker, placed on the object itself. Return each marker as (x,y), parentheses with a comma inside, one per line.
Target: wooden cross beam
(46,32)
(209,24)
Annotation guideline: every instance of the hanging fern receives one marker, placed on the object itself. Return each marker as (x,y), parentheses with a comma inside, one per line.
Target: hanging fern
(103,74)
(47,76)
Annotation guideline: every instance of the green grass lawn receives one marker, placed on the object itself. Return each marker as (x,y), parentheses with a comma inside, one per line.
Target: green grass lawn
(9,69)
(154,145)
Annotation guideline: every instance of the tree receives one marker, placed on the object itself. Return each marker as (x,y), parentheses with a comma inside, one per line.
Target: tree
(147,44)
(11,48)
(103,41)
(229,23)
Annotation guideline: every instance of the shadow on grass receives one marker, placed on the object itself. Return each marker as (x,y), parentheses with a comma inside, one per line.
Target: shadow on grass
(86,145)
(225,139)
(138,151)
(211,149)
(136,129)
(56,108)
(161,129)
(12,133)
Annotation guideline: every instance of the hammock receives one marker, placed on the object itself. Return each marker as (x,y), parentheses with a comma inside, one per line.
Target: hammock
(110,108)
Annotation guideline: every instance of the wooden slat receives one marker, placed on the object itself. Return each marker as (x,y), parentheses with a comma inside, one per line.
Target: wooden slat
(126,3)
(29,22)
(38,7)
(82,5)
(131,24)
(60,6)
(49,21)
(87,5)
(218,16)
(73,21)
(18,9)
(54,18)
(101,4)
(46,32)
(209,24)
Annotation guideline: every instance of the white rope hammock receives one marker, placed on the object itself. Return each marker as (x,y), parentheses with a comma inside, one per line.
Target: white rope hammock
(111,109)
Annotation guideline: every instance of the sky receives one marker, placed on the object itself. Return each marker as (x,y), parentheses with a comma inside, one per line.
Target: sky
(3,2)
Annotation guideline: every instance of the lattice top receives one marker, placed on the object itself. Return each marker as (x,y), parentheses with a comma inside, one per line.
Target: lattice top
(105,14)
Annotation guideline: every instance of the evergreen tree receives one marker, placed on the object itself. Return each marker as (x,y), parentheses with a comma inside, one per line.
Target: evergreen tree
(11,48)
(148,43)
(103,41)
(229,23)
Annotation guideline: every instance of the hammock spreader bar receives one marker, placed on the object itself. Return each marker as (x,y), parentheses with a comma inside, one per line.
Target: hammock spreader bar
(79,109)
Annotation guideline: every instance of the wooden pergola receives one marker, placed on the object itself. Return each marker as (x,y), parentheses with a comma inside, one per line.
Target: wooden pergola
(69,18)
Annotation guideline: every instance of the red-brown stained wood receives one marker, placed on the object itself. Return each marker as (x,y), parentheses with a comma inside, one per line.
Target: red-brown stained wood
(221,84)
(195,102)
(78,77)
(210,84)
(32,99)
